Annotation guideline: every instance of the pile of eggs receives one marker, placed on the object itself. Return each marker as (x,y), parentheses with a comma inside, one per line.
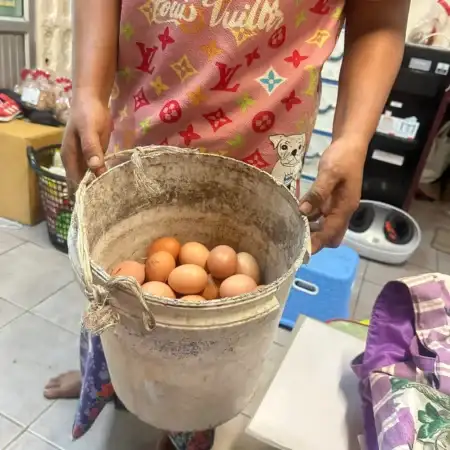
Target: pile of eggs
(192,272)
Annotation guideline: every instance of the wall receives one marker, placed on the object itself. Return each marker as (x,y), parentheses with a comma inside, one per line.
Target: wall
(54,35)
(419,9)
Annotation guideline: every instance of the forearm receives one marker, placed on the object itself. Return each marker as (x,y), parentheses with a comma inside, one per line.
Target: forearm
(95,43)
(375,37)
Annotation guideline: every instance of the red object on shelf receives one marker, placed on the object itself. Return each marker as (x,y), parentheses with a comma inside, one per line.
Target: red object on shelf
(445,5)
(9,109)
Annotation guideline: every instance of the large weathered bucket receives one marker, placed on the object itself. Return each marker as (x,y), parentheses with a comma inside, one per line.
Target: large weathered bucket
(179,365)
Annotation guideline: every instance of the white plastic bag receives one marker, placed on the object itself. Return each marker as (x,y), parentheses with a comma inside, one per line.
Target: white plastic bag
(430,28)
(439,157)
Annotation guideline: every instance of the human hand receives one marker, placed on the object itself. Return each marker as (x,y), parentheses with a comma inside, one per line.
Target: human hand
(86,138)
(336,193)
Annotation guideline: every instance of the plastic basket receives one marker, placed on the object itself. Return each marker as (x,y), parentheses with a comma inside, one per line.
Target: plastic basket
(54,194)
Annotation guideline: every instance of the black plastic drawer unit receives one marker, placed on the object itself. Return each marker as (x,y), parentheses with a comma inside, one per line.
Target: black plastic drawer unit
(393,157)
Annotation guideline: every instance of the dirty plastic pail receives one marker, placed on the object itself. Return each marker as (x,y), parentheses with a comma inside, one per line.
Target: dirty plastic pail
(178,365)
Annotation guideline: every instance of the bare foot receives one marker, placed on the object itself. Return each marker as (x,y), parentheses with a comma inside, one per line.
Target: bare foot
(165,444)
(66,385)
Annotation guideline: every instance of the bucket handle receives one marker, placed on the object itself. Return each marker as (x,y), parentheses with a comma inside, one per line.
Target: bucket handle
(100,308)
(101,314)
(305,286)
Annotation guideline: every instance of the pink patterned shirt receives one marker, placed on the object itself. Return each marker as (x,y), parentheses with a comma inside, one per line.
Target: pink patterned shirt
(236,77)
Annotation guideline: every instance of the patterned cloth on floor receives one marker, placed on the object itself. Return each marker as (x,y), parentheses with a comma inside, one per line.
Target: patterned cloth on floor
(405,370)
(97,390)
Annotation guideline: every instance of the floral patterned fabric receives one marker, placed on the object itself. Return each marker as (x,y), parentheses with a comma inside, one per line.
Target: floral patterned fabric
(405,369)
(97,390)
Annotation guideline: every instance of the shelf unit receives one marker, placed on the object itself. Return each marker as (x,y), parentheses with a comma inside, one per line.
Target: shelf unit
(393,164)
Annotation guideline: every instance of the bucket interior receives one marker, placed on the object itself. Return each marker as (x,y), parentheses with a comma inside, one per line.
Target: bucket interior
(194,197)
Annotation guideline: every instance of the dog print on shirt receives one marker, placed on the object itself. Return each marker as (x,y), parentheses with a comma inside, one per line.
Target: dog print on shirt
(291,151)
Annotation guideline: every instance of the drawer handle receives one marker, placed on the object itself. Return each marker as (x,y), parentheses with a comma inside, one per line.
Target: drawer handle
(305,286)
(326,110)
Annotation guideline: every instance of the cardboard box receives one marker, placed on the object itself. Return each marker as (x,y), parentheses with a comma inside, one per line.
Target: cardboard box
(19,192)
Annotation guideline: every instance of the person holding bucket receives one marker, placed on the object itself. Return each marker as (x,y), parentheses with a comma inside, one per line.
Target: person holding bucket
(232,77)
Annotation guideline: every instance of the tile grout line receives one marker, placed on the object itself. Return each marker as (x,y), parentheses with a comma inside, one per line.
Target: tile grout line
(355,305)
(51,295)
(25,239)
(24,311)
(278,344)
(45,318)
(43,439)
(41,245)
(38,436)
(24,431)
(13,320)
(27,428)
(30,310)
(359,296)
(15,439)
(437,260)
(14,421)
(406,266)
(363,280)
(363,275)
(13,248)
(23,242)
(54,324)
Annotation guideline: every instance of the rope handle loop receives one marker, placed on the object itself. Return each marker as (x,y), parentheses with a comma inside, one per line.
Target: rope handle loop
(101,315)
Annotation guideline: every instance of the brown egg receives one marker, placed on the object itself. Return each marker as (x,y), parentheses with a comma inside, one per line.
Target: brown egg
(158,289)
(188,279)
(237,285)
(193,298)
(158,266)
(194,253)
(211,291)
(130,269)
(222,262)
(165,244)
(247,265)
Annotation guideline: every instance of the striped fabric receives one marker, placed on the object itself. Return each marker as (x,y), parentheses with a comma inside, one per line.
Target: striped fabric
(405,369)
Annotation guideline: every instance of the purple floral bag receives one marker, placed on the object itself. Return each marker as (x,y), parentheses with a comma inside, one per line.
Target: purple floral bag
(405,370)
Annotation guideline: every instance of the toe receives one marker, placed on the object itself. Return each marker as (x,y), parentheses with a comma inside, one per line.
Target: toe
(67,385)
(52,393)
(54,382)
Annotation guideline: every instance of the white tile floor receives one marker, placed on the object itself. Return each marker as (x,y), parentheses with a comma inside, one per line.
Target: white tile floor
(40,306)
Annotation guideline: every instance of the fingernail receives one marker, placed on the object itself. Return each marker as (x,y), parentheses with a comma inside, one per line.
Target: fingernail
(94,162)
(306,208)
(315,226)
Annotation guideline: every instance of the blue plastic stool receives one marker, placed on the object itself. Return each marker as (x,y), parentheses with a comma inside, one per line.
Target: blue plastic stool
(322,288)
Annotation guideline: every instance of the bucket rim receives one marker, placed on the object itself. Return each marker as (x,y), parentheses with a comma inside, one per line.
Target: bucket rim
(159,151)
(270,288)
